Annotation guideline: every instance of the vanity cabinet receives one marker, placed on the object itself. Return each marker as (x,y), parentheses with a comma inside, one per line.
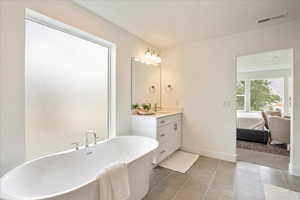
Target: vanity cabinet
(166,129)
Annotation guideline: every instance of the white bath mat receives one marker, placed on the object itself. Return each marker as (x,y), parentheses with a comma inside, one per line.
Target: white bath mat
(180,161)
(273,192)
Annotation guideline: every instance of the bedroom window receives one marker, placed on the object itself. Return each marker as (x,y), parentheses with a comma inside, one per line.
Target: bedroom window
(266,94)
(258,95)
(240,96)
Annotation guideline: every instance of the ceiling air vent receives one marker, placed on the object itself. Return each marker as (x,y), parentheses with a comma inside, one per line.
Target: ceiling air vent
(271,18)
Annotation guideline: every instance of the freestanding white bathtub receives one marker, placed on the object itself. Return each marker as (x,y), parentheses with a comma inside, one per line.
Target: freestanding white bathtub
(71,175)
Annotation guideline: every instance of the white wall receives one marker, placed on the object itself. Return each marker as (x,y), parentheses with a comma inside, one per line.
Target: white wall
(267,74)
(12,47)
(203,76)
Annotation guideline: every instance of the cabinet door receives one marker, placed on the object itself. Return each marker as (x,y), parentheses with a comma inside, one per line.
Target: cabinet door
(174,136)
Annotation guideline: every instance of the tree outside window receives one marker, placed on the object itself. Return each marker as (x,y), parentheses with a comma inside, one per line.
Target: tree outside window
(264,95)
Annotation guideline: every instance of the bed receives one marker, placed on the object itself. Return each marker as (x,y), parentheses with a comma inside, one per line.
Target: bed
(251,127)
(250,120)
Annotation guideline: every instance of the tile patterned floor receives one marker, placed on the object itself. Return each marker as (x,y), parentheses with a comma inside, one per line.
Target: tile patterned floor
(212,179)
(262,158)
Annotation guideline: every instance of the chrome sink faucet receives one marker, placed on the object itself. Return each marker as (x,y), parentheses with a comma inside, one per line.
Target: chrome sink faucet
(87,133)
(156,107)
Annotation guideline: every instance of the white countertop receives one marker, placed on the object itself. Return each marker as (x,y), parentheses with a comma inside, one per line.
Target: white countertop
(160,114)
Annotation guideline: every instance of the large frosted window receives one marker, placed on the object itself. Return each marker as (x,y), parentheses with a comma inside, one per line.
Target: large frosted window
(66,89)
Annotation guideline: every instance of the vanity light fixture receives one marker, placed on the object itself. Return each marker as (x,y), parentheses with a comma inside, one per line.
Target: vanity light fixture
(151,57)
(158,59)
(148,54)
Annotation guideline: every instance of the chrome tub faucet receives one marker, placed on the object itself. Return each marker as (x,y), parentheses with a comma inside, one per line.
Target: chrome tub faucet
(87,134)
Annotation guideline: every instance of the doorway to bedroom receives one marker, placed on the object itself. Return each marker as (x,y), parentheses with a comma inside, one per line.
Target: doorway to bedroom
(264,95)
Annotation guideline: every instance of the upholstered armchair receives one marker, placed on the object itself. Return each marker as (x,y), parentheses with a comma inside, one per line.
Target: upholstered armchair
(279,129)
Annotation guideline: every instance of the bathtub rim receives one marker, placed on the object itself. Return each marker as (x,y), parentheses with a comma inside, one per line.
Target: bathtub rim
(6,196)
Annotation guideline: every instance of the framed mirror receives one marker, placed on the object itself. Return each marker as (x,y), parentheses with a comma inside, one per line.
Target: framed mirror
(145,83)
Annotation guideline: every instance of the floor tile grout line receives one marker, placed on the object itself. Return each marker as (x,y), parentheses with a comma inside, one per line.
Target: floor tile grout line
(163,179)
(284,178)
(211,180)
(183,184)
(180,188)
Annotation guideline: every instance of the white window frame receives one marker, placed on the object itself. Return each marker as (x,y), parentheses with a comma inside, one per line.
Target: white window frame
(243,95)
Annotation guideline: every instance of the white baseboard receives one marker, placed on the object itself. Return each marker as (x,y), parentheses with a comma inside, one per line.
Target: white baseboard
(213,154)
(294,169)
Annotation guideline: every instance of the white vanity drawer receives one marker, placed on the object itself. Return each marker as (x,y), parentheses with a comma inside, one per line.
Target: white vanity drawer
(163,133)
(167,132)
(166,120)
(163,151)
